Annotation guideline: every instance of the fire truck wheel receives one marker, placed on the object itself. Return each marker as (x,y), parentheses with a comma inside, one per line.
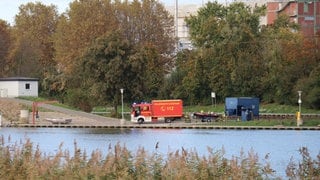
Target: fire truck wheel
(168,120)
(140,120)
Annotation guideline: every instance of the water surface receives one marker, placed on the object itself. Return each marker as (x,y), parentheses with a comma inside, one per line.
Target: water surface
(280,145)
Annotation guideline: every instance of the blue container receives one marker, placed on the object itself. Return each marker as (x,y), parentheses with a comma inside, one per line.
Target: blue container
(237,106)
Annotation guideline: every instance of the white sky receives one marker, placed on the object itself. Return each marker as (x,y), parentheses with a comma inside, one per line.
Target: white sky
(9,8)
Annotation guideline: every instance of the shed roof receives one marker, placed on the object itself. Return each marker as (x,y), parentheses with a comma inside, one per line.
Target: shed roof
(19,79)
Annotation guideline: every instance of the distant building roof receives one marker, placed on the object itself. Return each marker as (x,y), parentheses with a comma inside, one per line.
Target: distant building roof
(19,79)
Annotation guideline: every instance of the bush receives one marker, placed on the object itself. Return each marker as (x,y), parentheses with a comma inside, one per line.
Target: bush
(79,99)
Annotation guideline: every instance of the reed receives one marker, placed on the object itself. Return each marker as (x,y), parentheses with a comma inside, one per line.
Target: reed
(23,160)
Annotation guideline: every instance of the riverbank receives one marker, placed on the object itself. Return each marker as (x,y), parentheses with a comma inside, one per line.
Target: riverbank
(167,126)
(274,149)
(11,118)
(11,114)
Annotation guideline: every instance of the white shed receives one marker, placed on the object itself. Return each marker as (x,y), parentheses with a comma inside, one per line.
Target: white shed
(18,86)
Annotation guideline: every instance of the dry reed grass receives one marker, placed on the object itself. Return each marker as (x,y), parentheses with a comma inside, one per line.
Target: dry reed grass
(25,161)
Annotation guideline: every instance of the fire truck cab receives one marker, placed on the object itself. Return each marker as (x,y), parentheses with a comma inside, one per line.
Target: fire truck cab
(169,110)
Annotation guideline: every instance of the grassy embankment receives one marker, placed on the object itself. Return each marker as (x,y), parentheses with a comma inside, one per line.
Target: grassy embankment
(219,108)
(264,108)
(25,161)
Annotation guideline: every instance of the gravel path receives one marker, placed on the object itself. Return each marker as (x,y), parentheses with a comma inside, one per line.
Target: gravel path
(55,112)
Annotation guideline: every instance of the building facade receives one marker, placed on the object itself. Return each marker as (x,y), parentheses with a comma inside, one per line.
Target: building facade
(18,86)
(303,12)
(306,13)
(182,11)
(181,29)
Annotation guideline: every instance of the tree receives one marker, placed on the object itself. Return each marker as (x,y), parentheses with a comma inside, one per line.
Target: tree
(310,87)
(145,25)
(32,47)
(5,42)
(309,71)
(77,29)
(149,28)
(185,68)
(205,28)
(106,68)
(85,21)
(148,73)
(280,56)
(146,22)
(229,60)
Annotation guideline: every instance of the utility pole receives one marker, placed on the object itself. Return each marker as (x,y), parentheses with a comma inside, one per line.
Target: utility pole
(121,90)
(176,24)
(315,18)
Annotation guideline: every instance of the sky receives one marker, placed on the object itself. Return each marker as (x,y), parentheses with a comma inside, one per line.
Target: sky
(9,8)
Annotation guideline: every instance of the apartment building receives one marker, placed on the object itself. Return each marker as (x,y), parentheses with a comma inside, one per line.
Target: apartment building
(181,11)
(306,13)
(181,29)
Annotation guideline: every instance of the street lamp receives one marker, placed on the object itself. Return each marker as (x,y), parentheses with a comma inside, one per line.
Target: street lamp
(299,122)
(121,90)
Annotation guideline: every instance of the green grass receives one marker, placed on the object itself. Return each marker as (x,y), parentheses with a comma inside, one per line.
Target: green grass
(278,108)
(219,108)
(42,99)
(234,121)
(264,108)
(30,98)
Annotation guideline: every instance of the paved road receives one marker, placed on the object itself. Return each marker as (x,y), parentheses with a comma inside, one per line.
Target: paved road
(101,119)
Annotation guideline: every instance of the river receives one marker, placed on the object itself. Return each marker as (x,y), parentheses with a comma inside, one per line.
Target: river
(280,145)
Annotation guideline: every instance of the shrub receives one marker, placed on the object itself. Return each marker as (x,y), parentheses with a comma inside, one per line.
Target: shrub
(79,98)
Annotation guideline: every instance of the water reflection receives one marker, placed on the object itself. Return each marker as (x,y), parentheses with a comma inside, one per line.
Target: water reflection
(280,145)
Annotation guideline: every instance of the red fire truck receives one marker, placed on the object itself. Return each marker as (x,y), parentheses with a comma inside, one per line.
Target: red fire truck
(168,110)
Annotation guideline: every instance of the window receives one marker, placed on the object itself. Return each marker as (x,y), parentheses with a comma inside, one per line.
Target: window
(306,7)
(27,86)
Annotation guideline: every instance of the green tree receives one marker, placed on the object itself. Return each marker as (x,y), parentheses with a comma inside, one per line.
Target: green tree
(106,69)
(308,67)
(147,73)
(173,87)
(149,28)
(229,60)
(144,24)
(310,87)
(281,56)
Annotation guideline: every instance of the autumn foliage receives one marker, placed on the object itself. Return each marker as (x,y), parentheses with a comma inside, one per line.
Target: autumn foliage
(85,55)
